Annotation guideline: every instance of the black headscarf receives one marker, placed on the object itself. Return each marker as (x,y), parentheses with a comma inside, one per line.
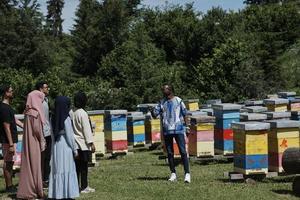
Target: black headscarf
(61,113)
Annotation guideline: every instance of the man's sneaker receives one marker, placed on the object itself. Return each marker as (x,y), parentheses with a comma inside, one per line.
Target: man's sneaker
(173,177)
(87,190)
(187,178)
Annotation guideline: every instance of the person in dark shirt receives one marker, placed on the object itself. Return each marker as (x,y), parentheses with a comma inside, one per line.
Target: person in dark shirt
(8,134)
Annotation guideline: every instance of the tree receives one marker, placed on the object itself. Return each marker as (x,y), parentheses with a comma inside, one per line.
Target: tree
(54,20)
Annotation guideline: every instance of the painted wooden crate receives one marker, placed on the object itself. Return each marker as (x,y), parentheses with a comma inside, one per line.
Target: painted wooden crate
(251,147)
(192,104)
(283,134)
(225,114)
(136,129)
(144,108)
(276,105)
(153,130)
(253,117)
(201,137)
(287,95)
(116,131)
(97,119)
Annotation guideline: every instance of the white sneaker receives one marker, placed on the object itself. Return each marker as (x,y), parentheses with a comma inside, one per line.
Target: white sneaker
(173,177)
(88,190)
(187,178)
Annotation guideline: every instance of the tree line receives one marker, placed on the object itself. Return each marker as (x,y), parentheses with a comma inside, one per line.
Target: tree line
(120,53)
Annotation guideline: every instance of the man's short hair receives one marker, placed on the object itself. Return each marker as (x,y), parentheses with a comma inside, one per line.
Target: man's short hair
(80,100)
(169,86)
(40,85)
(3,89)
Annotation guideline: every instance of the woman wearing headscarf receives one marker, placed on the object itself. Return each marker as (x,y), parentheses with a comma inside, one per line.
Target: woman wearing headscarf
(30,183)
(63,178)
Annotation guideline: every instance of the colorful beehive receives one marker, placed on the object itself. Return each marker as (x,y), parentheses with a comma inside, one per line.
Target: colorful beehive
(175,147)
(115,128)
(253,117)
(276,105)
(294,105)
(136,129)
(256,109)
(153,130)
(251,147)
(201,137)
(192,104)
(287,95)
(283,134)
(254,103)
(223,134)
(97,120)
(295,115)
(272,96)
(278,115)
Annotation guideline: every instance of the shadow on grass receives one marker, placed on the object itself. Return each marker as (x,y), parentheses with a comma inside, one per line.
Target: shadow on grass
(157,153)
(155,178)
(285,192)
(288,179)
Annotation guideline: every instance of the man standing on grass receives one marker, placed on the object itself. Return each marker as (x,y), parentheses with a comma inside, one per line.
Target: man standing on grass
(173,113)
(8,135)
(47,130)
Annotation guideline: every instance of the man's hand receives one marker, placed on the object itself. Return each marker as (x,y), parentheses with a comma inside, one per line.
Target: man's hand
(187,130)
(93,148)
(11,149)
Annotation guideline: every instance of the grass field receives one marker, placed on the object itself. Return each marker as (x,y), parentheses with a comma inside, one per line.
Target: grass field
(144,176)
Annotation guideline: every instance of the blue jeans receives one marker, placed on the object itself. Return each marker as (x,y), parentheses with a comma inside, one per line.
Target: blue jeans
(180,140)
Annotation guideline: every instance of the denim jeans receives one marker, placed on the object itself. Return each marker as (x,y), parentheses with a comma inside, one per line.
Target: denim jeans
(180,140)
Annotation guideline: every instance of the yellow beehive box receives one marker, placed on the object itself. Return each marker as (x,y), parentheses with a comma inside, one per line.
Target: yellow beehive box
(200,149)
(116,135)
(279,145)
(192,104)
(277,108)
(138,129)
(204,127)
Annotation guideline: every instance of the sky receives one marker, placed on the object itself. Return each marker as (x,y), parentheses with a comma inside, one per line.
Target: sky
(200,5)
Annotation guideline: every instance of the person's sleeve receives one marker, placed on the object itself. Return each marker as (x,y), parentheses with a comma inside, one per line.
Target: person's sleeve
(5,115)
(70,135)
(157,110)
(87,130)
(183,109)
(38,131)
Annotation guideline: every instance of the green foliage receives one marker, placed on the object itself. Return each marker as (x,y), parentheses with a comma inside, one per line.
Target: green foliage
(54,20)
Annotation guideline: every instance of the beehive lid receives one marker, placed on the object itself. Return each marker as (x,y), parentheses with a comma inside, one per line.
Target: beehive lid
(256,109)
(135,114)
(294,100)
(214,101)
(253,116)
(227,106)
(136,117)
(20,116)
(284,123)
(116,112)
(272,96)
(250,126)
(202,119)
(286,94)
(254,102)
(96,112)
(196,113)
(277,115)
(191,100)
(276,101)
(147,105)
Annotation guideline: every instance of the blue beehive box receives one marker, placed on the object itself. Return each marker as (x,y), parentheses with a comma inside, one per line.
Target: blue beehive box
(225,123)
(251,161)
(224,145)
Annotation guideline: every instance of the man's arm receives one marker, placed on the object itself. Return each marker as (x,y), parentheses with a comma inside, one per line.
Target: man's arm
(19,123)
(155,111)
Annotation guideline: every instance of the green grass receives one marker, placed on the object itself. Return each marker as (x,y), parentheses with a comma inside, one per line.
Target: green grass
(144,176)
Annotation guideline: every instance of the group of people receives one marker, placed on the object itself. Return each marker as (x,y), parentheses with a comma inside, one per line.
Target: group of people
(55,149)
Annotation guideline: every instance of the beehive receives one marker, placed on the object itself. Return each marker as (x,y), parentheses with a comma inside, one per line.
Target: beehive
(287,95)
(115,128)
(153,130)
(201,137)
(282,135)
(278,115)
(256,109)
(253,117)
(295,115)
(144,108)
(251,103)
(276,105)
(192,104)
(97,119)
(251,147)
(136,129)
(223,135)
